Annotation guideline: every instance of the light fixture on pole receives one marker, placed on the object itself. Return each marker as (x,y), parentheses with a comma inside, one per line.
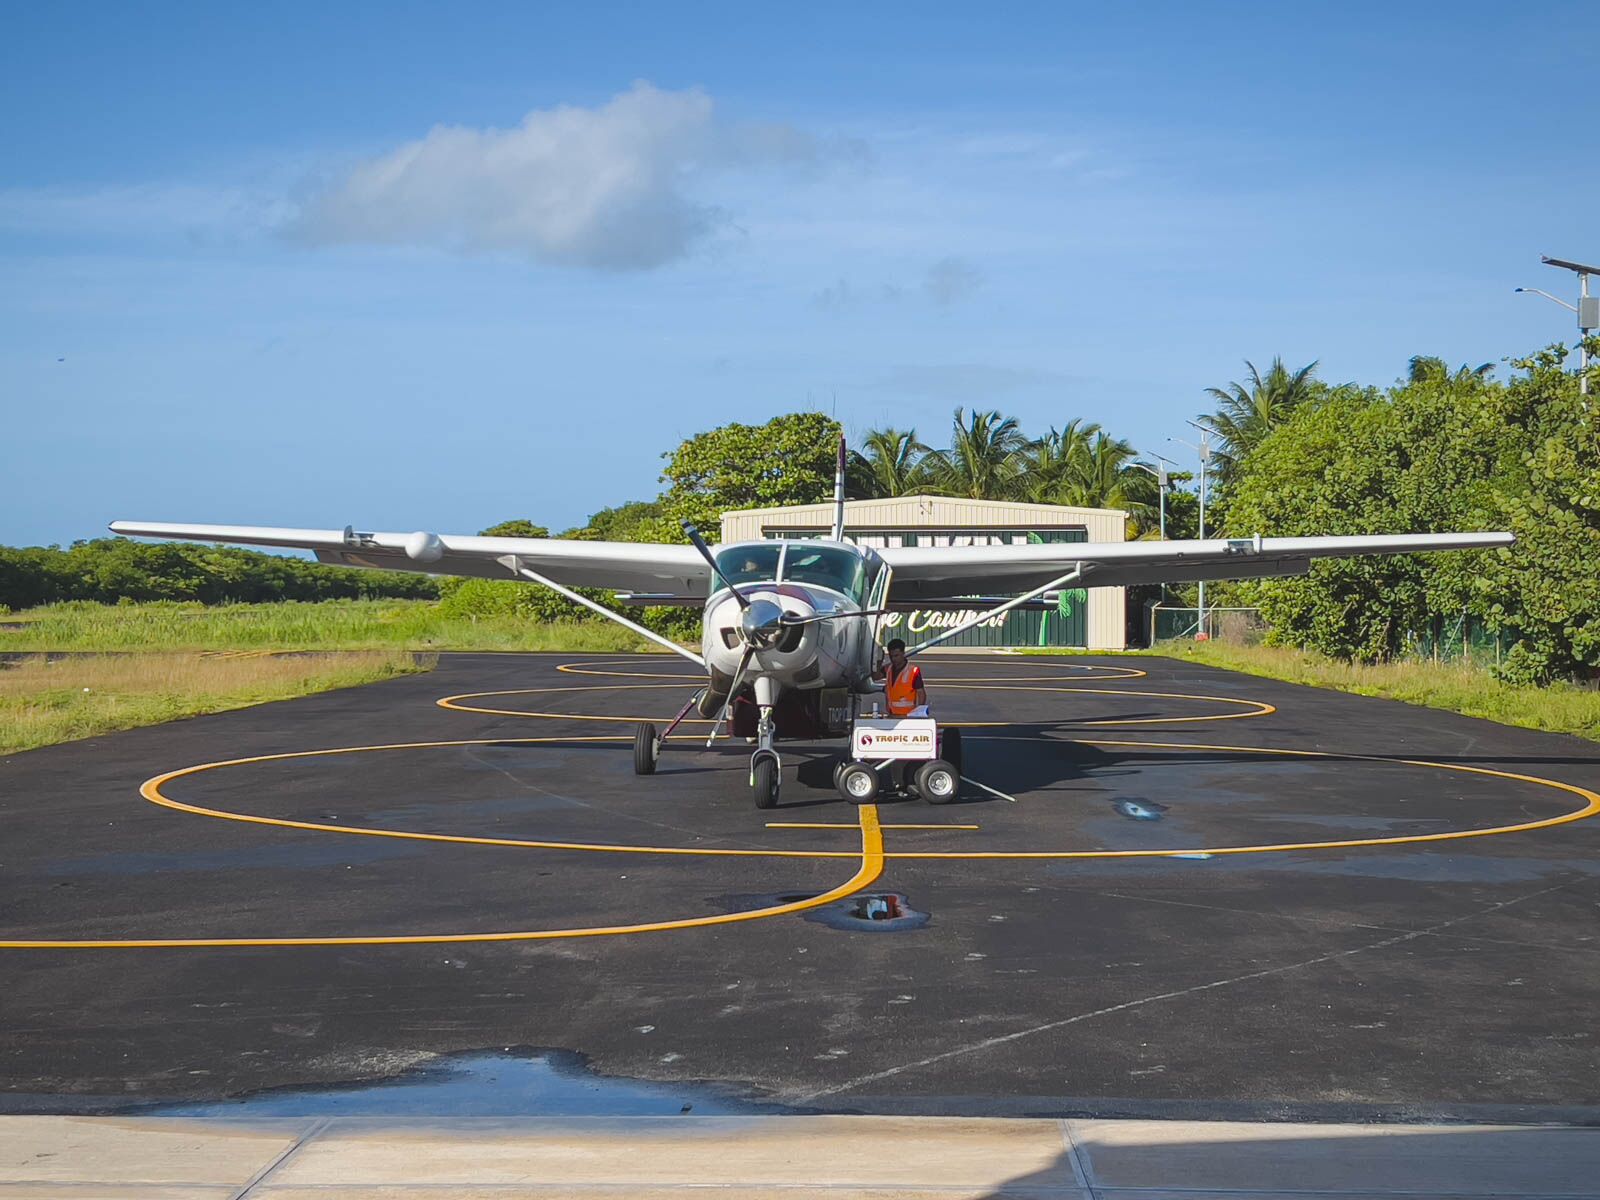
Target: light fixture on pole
(1204,450)
(1162,484)
(1587,308)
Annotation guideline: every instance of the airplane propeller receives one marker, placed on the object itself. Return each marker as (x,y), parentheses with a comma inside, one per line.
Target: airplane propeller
(693,535)
(761,622)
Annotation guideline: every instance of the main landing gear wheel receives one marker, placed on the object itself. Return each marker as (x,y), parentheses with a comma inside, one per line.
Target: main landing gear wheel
(950,748)
(764,781)
(858,783)
(645,750)
(937,781)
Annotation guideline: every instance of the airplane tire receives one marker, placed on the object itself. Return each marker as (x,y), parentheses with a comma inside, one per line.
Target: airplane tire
(858,783)
(644,750)
(937,781)
(950,748)
(764,782)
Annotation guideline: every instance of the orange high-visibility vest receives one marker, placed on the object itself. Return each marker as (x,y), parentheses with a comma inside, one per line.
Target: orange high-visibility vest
(901,691)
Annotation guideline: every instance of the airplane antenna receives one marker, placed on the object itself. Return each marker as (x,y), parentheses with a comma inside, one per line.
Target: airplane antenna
(838,494)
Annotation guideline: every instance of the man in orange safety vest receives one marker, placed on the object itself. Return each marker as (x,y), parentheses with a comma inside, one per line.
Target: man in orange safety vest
(902,687)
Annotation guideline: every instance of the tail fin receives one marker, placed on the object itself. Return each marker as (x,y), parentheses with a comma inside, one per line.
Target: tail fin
(838,494)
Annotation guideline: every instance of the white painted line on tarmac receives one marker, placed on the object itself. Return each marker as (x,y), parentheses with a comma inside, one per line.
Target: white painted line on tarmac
(990,790)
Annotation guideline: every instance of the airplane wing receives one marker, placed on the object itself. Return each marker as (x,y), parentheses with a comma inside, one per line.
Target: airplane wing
(949,572)
(622,566)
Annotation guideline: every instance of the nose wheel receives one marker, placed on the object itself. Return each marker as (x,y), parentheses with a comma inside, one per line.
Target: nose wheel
(764,779)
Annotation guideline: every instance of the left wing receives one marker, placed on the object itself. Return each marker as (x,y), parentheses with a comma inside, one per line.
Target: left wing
(646,567)
(950,572)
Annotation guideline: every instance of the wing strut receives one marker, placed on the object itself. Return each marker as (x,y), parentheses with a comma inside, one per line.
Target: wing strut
(1071,576)
(515,565)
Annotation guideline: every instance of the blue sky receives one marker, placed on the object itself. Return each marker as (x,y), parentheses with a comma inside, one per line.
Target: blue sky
(428,266)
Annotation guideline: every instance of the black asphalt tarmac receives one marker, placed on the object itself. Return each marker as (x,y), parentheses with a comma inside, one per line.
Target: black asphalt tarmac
(1324,943)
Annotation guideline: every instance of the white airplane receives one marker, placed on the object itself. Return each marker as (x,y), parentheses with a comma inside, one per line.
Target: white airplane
(789,636)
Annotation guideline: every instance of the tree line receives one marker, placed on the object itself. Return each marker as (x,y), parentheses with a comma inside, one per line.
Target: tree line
(109,570)
(1440,450)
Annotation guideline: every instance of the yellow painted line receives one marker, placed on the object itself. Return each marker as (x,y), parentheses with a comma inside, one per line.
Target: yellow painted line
(1256,708)
(868,869)
(846,825)
(1590,808)
(594,668)
(151,791)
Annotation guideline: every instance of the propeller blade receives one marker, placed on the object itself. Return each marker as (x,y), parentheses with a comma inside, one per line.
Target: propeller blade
(693,535)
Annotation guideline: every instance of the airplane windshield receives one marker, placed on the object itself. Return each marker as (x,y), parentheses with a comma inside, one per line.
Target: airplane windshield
(749,564)
(829,567)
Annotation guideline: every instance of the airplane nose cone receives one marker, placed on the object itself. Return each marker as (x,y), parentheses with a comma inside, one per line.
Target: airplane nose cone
(761,624)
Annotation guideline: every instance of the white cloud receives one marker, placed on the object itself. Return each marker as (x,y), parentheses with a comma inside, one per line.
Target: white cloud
(610,188)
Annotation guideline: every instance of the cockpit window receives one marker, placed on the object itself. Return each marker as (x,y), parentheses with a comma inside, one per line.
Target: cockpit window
(749,564)
(827,566)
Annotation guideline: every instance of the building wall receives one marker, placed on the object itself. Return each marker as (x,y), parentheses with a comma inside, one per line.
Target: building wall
(1106,619)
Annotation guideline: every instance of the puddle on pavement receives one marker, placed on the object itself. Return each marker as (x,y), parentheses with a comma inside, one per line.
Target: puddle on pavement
(483,1084)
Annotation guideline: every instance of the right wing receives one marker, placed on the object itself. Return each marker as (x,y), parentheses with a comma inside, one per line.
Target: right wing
(948,572)
(646,567)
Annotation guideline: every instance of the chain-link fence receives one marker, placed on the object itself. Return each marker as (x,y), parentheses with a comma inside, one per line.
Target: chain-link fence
(1227,624)
(1459,639)
(1463,638)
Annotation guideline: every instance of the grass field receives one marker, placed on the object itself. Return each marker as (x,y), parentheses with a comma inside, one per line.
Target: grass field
(1469,690)
(170,659)
(331,625)
(44,702)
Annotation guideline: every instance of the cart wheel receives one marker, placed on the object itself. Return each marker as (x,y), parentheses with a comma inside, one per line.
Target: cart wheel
(937,781)
(644,750)
(858,783)
(764,782)
(838,769)
(950,748)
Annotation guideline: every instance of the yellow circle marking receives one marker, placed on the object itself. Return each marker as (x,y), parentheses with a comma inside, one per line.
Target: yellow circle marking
(871,856)
(1256,708)
(596,668)
(151,790)
(868,869)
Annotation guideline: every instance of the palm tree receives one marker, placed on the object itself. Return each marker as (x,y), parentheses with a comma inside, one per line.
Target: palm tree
(1427,369)
(1046,467)
(890,463)
(985,457)
(1246,415)
(1096,475)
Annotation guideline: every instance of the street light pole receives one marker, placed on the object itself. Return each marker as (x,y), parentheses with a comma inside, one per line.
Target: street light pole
(1587,308)
(1204,450)
(1161,488)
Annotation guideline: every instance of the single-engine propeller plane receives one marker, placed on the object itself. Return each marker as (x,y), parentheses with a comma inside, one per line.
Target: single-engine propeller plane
(789,635)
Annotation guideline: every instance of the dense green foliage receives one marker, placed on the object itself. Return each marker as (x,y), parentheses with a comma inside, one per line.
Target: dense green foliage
(108,570)
(1441,451)
(789,460)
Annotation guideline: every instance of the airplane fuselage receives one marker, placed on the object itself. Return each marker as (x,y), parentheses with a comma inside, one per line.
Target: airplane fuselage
(808,622)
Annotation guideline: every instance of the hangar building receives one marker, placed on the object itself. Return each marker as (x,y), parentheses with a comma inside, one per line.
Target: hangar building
(1093,618)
